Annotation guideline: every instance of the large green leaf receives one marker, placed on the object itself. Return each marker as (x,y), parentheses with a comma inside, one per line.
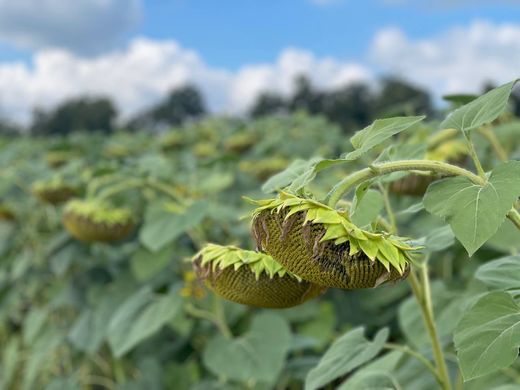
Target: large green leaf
(475,212)
(378,132)
(501,274)
(488,336)
(480,111)
(140,316)
(346,354)
(367,206)
(376,375)
(162,226)
(146,264)
(257,356)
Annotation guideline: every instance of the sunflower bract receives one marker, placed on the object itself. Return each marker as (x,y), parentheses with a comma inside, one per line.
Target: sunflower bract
(93,221)
(323,246)
(251,278)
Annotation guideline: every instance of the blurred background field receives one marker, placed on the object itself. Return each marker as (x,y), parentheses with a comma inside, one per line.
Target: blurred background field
(176,134)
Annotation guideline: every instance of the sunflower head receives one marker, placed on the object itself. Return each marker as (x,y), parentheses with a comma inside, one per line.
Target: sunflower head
(264,169)
(240,142)
(323,246)
(57,158)
(53,191)
(93,221)
(251,278)
(205,149)
(172,140)
(6,214)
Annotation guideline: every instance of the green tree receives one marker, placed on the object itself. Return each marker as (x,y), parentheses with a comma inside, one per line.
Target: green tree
(81,114)
(181,104)
(398,97)
(267,103)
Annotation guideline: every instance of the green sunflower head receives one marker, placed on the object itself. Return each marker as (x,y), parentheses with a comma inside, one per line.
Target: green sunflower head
(251,278)
(6,213)
(172,140)
(58,158)
(323,246)
(240,142)
(264,169)
(453,151)
(94,221)
(53,191)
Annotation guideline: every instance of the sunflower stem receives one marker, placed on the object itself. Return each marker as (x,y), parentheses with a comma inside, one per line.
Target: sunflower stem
(375,170)
(474,156)
(422,293)
(389,210)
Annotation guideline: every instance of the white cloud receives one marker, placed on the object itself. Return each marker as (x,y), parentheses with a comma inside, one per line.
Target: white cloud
(144,72)
(81,26)
(458,60)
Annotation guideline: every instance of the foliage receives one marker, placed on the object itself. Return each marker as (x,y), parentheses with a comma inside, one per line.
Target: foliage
(132,314)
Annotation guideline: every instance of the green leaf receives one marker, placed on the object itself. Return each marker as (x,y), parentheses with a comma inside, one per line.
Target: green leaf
(475,212)
(480,111)
(367,206)
(506,238)
(488,336)
(11,358)
(143,314)
(296,170)
(378,132)
(33,324)
(501,274)
(347,353)
(376,375)
(258,355)
(162,226)
(146,264)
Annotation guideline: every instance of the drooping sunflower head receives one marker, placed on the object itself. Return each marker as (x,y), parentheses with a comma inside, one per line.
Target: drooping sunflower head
(57,158)
(6,213)
(264,169)
(323,246)
(172,140)
(54,191)
(92,221)
(451,151)
(251,278)
(240,142)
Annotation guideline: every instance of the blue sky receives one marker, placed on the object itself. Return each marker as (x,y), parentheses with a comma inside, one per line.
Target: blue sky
(135,51)
(231,33)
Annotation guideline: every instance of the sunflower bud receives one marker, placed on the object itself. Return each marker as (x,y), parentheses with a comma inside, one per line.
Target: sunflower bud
(58,158)
(323,246)
(93,221)
(54,191)
(251,278)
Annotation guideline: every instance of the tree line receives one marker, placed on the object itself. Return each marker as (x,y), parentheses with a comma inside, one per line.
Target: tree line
(351,106)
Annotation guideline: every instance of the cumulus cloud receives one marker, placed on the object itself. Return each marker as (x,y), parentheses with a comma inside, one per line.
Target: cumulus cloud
(458,60)
(80,26)
(146,70)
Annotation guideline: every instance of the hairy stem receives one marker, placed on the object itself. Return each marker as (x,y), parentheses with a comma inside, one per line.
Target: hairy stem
(436,167)
(423,296)
(474,156)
